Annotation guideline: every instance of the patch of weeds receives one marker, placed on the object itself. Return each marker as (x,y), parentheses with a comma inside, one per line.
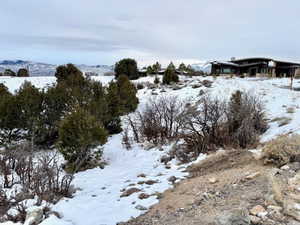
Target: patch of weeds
(281,121)
(290,110)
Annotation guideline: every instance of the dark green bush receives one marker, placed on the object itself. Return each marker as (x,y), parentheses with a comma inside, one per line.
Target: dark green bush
(127,67)
(79,133)
(170,76)
(69,73)
(156,80)
(30,101)
(10,123)
(9,72)
(23,73)
(127,93)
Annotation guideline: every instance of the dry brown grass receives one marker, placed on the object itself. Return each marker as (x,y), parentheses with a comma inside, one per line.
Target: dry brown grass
(282,150)
(281,121)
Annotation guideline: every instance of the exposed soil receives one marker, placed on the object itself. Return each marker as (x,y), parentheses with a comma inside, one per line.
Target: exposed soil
(239,181)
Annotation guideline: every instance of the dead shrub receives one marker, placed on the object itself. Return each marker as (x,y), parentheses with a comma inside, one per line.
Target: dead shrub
(202,127)
(159,122)
(282,150)
(245,119)
(39,176)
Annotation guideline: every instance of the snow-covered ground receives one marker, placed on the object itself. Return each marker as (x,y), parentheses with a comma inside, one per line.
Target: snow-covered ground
(98,199)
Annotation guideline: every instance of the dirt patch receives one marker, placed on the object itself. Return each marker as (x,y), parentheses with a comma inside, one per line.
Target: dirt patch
(241,183)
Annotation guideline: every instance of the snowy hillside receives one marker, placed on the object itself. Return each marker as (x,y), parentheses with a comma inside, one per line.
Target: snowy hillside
(204,66)
(45,69)
(98,198)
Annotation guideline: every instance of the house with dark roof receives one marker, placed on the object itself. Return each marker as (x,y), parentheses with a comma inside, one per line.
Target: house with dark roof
(256,67)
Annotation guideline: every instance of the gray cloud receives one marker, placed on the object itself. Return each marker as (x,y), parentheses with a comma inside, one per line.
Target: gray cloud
(148,30)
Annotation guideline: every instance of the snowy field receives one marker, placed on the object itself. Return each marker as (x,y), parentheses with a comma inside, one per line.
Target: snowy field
(98,201)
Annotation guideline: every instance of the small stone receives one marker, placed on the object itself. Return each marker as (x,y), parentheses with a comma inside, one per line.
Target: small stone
(172,179)
(143,196)
(258,211)
(129,192)
(213,180)
(150,182)
(254,220)
(285,167)
(253,175)
(201,92)
(196,86)
(141,175)
(140,207)
(274,208)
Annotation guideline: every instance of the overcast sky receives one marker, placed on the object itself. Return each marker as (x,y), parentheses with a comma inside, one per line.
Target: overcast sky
(104,31)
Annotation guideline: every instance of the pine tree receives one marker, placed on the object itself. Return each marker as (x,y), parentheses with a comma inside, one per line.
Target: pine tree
(9,73)
(150,70)
(156,80)
(156,67)
(170,76)
(182,68)
(113,123)
(79,133)
(127,67)
(30,100)
(23,73)
(171,66)
(69,73)
(127,93)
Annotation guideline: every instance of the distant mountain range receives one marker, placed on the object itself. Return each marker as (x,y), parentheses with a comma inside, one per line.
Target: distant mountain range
(45,69)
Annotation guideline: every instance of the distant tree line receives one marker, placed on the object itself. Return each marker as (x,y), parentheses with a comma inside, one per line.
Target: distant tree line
(20,73)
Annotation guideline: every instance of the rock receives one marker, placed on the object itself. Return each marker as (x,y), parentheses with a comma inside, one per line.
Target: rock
(254,220)
(151,182)
(274,208)
(129,192)
(201,92)
(141,175)
(168,167)
(295,166)
(149,146)
(293,223)
(253,175)
(258,211)
(207,83)
(165,159)
(285,167)
(140,207)
(196,86)
(233,217)
(34,216)
(154,93)
(144,196)
(292,209)
(176,87)
(212,180)
(172,179)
